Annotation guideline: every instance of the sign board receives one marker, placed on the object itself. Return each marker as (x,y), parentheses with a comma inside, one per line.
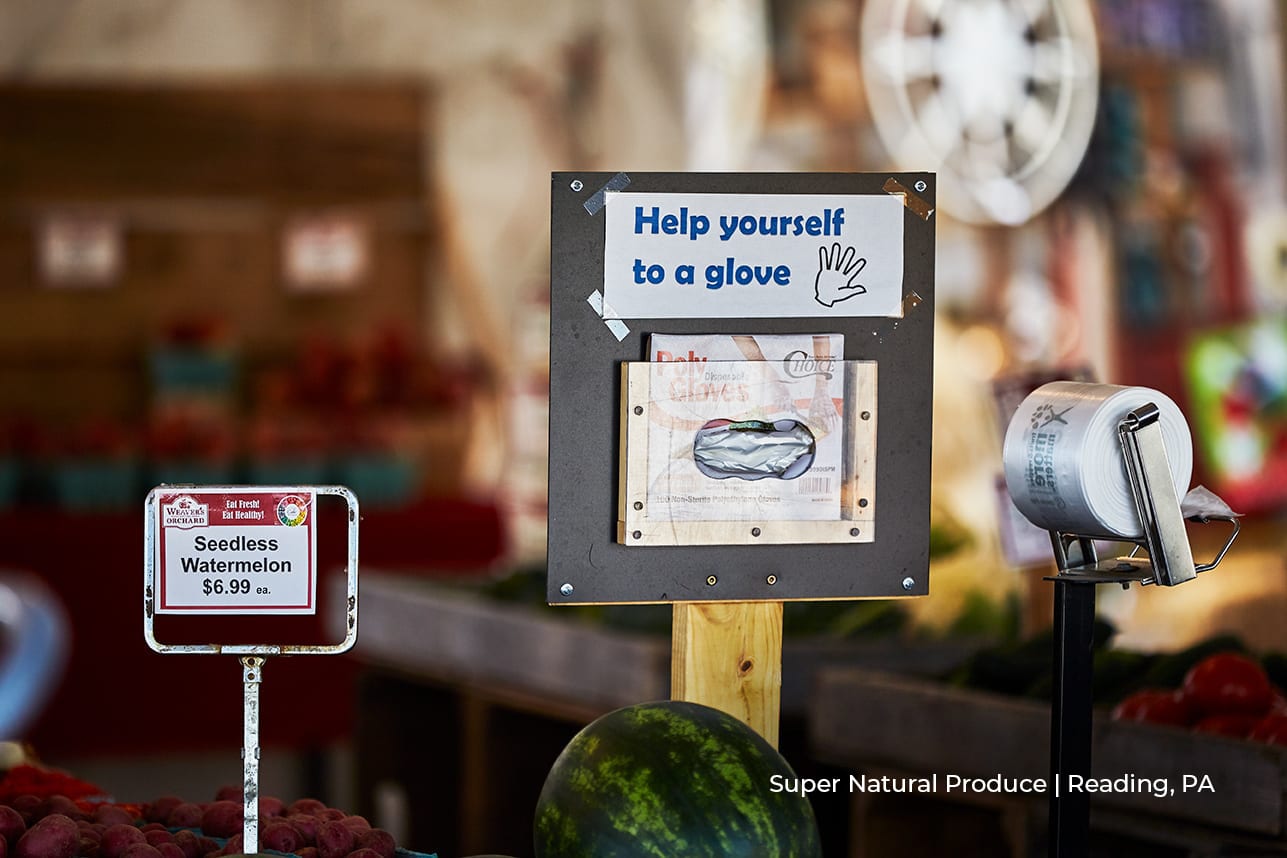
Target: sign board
(244,552)
(80,250)
(739,256)
(325,252)
(835,271)
(240,551)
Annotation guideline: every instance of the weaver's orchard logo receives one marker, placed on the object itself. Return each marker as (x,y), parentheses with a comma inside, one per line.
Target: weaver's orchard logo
(185,512)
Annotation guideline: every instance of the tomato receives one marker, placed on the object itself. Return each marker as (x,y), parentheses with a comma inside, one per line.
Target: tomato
(1237,726)
(1271,729)
(1155,706)
(1228,684)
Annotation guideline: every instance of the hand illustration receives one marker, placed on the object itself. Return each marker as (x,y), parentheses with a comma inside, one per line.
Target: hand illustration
(823,417)
(836,274)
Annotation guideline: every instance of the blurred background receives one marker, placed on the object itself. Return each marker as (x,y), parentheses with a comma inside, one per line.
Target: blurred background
(307,241)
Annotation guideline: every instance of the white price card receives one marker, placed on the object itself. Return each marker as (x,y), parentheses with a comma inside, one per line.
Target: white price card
(80,251)
(236,552)
(325,252)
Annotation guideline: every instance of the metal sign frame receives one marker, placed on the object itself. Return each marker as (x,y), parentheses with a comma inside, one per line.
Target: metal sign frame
(586,562)
(150,572)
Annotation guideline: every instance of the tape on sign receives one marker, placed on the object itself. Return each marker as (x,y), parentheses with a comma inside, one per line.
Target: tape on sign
(1064,465)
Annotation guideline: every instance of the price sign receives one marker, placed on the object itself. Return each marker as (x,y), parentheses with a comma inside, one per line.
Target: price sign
(236,551)
(240,550)
(80,251)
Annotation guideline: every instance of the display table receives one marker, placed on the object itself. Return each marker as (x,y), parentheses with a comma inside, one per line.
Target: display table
(467,701)
(881,724)
(119,697)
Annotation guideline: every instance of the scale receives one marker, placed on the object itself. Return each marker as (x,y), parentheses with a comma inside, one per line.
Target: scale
(1168,563)
(237,551)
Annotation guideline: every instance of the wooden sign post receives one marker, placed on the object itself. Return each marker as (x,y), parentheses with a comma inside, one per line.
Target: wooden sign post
(723,348)
(729,655)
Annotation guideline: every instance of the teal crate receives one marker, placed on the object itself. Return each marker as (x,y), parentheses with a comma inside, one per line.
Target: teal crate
(97,484)
(290,471)
(380,479)
(192,471)
(10,476)
(192,371)
(397,853)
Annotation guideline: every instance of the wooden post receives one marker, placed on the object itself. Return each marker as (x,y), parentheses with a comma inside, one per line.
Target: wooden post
(728,655)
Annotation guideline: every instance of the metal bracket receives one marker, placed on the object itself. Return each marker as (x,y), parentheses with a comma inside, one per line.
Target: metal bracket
(251,676)
(1170,559)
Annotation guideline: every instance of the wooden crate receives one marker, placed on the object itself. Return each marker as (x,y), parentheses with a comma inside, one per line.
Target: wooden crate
(455,634)
(503,686)
(868,720)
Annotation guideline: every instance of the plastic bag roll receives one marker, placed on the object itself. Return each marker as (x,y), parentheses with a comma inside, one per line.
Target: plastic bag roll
(1064,465)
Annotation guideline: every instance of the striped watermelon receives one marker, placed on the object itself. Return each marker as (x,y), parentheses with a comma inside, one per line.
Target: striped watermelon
(671,780)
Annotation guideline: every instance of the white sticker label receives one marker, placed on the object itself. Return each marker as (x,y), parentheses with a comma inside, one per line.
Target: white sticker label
(81,251)
(241,552)
(734,256)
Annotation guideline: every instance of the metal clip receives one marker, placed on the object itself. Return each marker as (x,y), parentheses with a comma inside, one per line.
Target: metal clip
(1148,472)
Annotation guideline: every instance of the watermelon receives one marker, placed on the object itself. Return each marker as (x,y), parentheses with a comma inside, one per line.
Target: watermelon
(671,779)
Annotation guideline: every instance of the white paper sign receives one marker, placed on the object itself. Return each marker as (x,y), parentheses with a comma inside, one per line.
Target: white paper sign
(81,250)
(734,256)
(245,552)
(325,253)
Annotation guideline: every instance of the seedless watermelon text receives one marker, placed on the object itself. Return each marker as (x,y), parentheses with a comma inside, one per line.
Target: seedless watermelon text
(208,565)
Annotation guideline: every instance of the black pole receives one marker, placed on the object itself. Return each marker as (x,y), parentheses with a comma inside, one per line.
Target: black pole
(1070,716)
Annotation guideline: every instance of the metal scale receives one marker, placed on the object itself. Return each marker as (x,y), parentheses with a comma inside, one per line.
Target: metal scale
(1168,562)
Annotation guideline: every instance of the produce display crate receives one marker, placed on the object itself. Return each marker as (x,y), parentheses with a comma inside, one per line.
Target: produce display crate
(195,471)
(301,470)
(457,634)
(397,853)
(506,684)
(97,483)
(175,370)
(874,721)
(10,477)
(380,479)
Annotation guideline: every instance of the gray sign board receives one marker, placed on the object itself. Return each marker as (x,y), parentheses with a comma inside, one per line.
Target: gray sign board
(736,246)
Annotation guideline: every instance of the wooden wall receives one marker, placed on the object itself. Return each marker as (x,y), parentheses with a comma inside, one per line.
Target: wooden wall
(202,178)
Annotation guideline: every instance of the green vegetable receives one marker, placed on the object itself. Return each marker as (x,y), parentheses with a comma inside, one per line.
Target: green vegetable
(1118,673)
(1020,668)
(982,615)
(1169,670)
(1275,665)
(671,779)
(866,618)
